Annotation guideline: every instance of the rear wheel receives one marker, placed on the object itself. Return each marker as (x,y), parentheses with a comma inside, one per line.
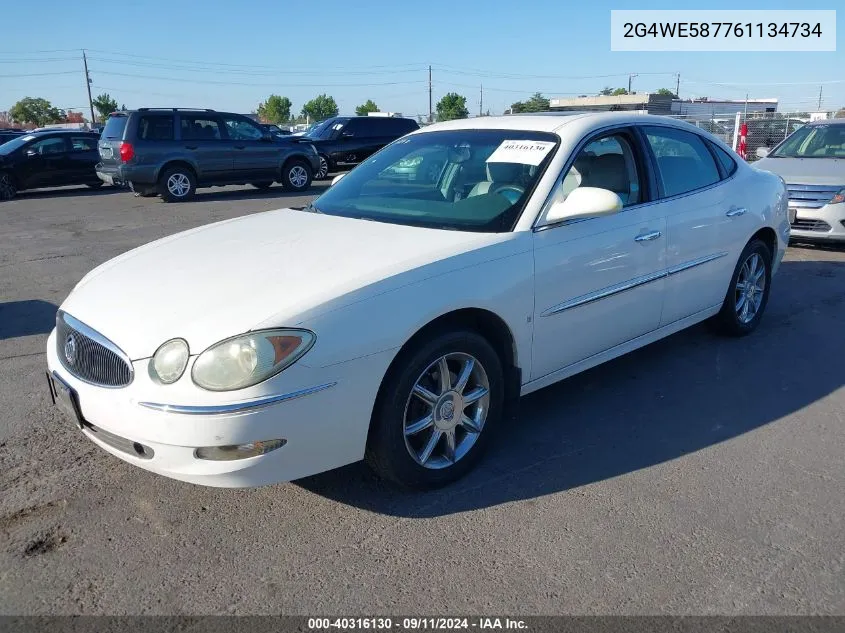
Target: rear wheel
(177,184)
(262,185)
(440,405)
(8,188)
(296,175)
(748,292)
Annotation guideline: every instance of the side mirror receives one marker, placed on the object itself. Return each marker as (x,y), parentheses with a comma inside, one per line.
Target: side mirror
(762,152)
(336,179)
(585,202)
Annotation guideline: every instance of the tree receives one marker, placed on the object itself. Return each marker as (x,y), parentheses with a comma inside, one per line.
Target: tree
(618,92)
(364,108)
(606,91)
(666,92)
(320,108)
(275,110)
(537,103)
(840,114)
(452,106)
(74,117)
(104,105)
(35,110)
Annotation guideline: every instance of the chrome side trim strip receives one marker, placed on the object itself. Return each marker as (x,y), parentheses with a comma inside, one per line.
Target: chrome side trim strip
(235,407)
(636,282)
(674,270)
(604,293)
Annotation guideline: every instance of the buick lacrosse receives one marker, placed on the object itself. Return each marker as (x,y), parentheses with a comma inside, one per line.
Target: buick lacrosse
(394,320)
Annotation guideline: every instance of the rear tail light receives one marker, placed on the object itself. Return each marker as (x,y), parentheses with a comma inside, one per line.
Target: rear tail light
(126,152)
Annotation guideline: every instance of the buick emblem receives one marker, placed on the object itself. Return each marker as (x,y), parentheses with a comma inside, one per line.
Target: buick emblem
(447,411)
(70,349)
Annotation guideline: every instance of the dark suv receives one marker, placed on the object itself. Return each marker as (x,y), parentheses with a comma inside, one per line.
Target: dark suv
(344,141)
(172,151)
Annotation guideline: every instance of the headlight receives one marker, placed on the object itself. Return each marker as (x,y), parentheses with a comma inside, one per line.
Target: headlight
(247,359)
(839,197)
(169,362)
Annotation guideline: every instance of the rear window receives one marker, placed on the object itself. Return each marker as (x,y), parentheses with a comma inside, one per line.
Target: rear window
(115,126)
(158,127)
(728,163)
(683,160)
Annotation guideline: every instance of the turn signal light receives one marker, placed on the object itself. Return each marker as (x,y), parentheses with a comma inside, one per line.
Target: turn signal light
(238,451)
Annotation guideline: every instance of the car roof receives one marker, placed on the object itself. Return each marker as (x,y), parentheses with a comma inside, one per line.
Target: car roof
(556,121)
(828,122)
(61,131)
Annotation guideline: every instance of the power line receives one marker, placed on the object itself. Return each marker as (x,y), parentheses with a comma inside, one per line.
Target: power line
(64,72)
(259,85)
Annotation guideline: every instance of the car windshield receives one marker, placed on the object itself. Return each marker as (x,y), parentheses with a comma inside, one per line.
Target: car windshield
(324,129)
(15,143)
(814,141)
(471,180)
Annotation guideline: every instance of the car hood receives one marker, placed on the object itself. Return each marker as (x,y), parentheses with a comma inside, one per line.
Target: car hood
(223,279)
(806,171)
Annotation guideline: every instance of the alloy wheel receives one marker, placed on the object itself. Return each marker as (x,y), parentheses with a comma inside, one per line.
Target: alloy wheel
(324,168)
(750,288)
(178,185)
(446,410)
(298,176)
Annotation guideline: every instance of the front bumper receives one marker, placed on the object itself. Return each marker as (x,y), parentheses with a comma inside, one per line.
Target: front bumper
(324,417)
(826,224)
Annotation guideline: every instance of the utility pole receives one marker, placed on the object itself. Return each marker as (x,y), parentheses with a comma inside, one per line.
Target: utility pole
(430,109)
(630,77)
(88,86)
(820,98)
(678,86)
(746,105)
(481,102)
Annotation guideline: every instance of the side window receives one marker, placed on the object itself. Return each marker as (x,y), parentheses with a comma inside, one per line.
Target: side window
(242,130)
(608,163)
(684,162)
(354,128)
(200,128)
(83,143)
(157,127)
(44,147)
(728,163)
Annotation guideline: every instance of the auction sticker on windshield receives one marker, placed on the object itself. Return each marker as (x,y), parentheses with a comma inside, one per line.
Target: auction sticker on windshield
(525,152)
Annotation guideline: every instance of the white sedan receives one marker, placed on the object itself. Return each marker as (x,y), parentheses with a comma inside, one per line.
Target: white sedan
(396,321)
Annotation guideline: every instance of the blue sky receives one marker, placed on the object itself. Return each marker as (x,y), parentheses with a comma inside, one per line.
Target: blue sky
(230,56)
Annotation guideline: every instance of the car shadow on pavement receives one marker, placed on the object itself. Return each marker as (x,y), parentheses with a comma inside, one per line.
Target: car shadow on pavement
(25,318)
(34,194)
(683,394)
(276,191)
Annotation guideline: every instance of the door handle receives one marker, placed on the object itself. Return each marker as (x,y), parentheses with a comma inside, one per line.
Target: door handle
(647,237)
(736,212)
(190,147)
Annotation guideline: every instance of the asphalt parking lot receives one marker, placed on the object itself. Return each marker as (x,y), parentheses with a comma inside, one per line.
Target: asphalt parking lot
(700,475)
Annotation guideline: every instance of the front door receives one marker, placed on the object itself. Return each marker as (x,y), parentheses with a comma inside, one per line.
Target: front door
(83,158)
(45,163)
(599,282)
(256,156)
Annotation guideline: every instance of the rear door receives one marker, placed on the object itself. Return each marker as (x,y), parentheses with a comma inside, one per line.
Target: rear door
(203,136)
(256,156)
(83,157)
(701,214)
(44,162)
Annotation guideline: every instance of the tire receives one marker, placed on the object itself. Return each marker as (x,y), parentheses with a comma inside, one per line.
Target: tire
(262,185)
(95,185)
(323,171)
(8,188)
(177,184)
(396,451)
(296,175)
(741,312)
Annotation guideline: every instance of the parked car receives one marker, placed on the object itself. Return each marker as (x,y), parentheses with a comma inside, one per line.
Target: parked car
(275,129)
(9,134)
(812,162)
(398,322)
(343,142)
(768,133)
(48,159)
(173,151)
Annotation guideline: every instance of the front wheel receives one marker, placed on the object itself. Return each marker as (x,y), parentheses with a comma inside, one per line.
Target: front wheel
(177,184)
(748,292)
(440,405)
(296,176)
(8,189)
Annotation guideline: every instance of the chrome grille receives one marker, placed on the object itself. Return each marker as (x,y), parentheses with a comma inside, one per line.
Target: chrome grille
(89,355)
(810,225)
(811,196)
